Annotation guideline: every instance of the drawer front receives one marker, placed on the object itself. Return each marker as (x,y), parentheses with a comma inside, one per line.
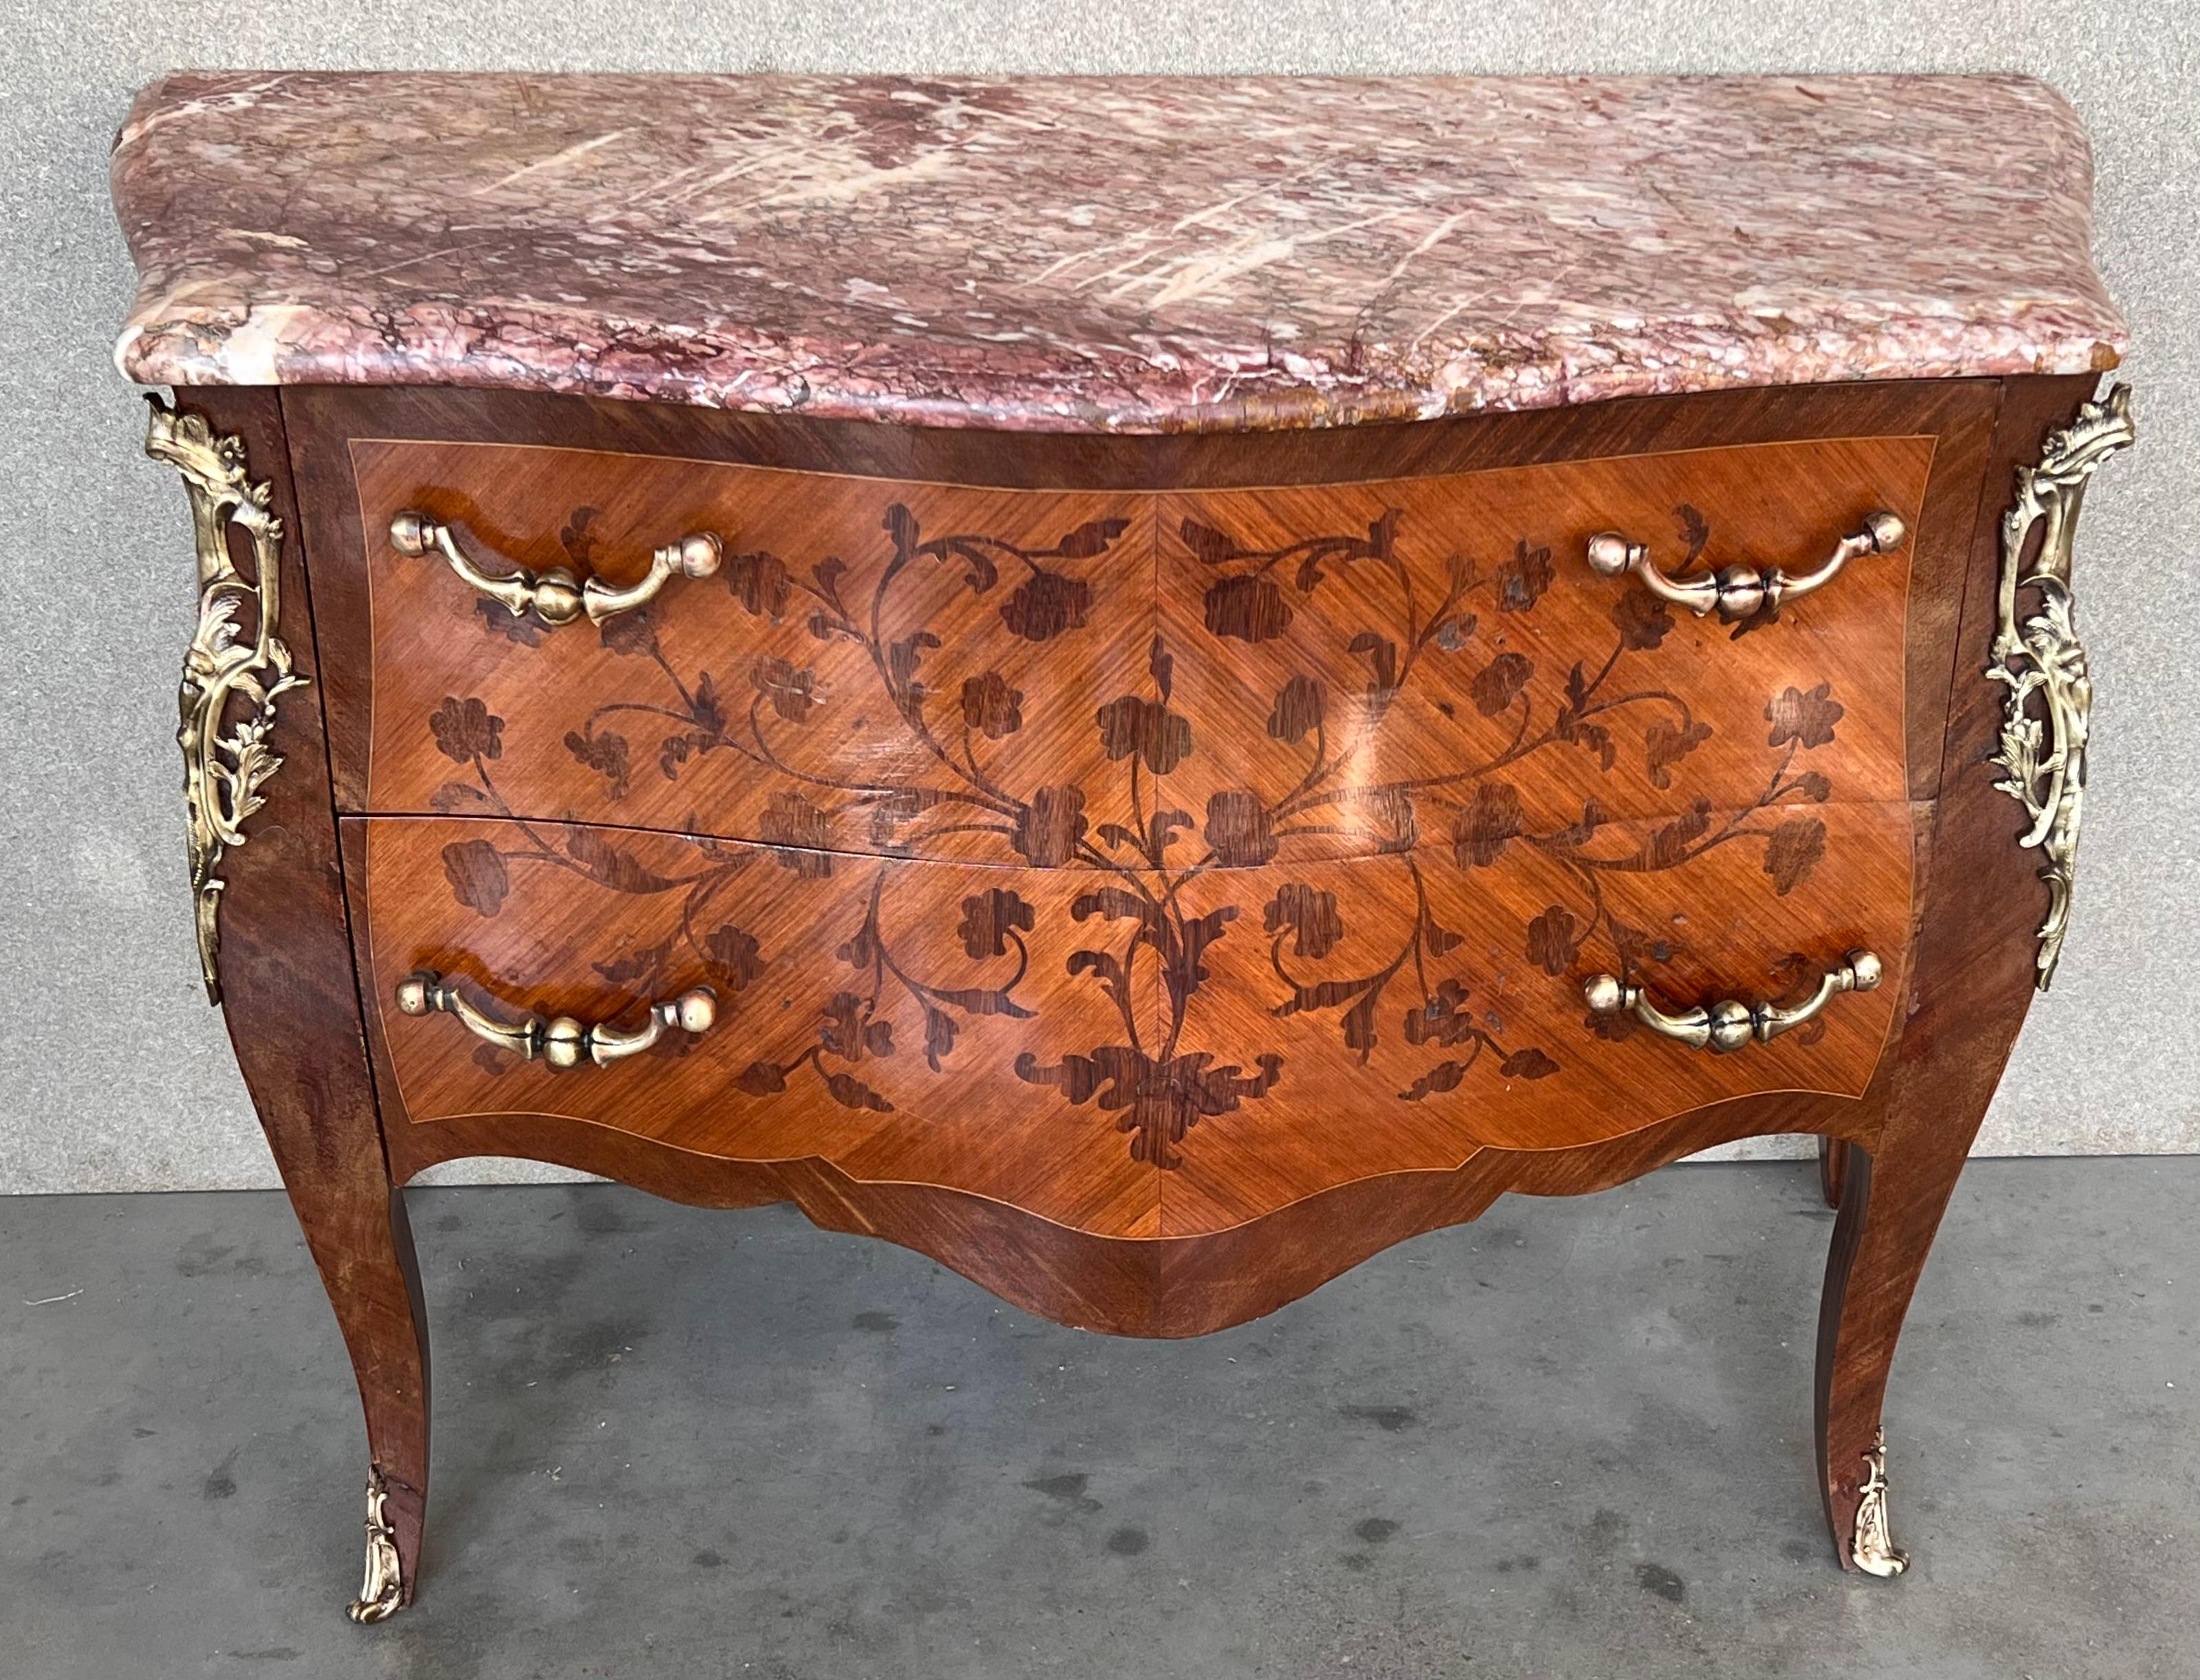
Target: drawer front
(1139,1052)
(1358,661)
(869,1012)
(875,667)
(1418,1007)
(1034,678)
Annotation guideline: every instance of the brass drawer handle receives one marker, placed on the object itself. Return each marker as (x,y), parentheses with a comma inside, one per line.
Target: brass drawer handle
(556,596)
(1739,591)
(1728,1025)
(561,1041)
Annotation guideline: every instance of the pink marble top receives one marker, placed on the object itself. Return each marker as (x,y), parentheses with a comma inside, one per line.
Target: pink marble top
(1105,255)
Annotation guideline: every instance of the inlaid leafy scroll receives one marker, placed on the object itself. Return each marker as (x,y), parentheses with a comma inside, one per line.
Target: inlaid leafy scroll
(1163,897)
(699,927)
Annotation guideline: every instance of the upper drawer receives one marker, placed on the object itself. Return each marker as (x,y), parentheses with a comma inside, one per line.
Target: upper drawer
(1046,676)
(1369,664)
(874,666)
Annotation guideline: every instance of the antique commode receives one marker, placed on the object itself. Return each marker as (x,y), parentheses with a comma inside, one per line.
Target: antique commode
(1147,687)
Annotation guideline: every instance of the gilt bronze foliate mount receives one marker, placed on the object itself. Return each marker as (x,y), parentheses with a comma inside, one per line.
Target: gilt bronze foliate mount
(236,660)
(2042,753)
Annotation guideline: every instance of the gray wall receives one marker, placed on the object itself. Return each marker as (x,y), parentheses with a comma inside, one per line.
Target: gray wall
(114,1074)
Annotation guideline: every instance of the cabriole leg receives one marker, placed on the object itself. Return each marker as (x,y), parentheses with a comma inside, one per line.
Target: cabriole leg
(1890,1207)
(364,1248)
(2012,773)
(273,934)
(1833,1170)
(390,1360)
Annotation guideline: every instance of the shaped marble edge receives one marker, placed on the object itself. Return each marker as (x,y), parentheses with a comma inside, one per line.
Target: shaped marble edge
(1106,254)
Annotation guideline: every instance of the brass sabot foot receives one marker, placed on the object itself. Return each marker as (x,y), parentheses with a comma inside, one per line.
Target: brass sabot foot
(1873,1550)
(383,1592)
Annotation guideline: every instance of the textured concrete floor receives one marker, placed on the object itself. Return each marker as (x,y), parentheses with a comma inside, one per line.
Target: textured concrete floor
(1571,1440)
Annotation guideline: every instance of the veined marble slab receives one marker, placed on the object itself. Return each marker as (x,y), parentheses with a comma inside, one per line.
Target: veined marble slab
(1121,254)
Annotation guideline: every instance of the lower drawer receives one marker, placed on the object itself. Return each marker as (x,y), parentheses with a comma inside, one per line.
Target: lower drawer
(868,1011)
(1124,1054)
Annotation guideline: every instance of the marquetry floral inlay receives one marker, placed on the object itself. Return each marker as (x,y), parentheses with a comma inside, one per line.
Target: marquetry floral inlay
(1160,905)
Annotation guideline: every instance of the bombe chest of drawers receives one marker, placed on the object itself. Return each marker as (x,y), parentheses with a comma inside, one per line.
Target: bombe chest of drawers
(1144,687)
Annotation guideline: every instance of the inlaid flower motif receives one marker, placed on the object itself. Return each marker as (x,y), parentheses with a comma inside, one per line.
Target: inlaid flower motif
(1569,725)
(1490,819)
(1499,683)
(849,1034)
(1641,619)
(497,619)
(990,706)
(1794,852)
(791,691)
(1445,1018)
(1530,1063)
(1674,843)
(795,831)
(708,715)
(466,729)
(733,958)
(1050,826)
(1554,939)
(1212,546)
(1696,530)
(1047,604)
(576,537)
(644,964)
(604,752)
(630,634)
(1247,608)
(1307,913)
(1522,580)
(1806,719)
(617,867)
(1238,829)
(1330,707)
(1666,743)
(477,875)
(1155,1102)
(1090,539)
(1131,724)
(762,1078)
(759,581)
(990,920)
